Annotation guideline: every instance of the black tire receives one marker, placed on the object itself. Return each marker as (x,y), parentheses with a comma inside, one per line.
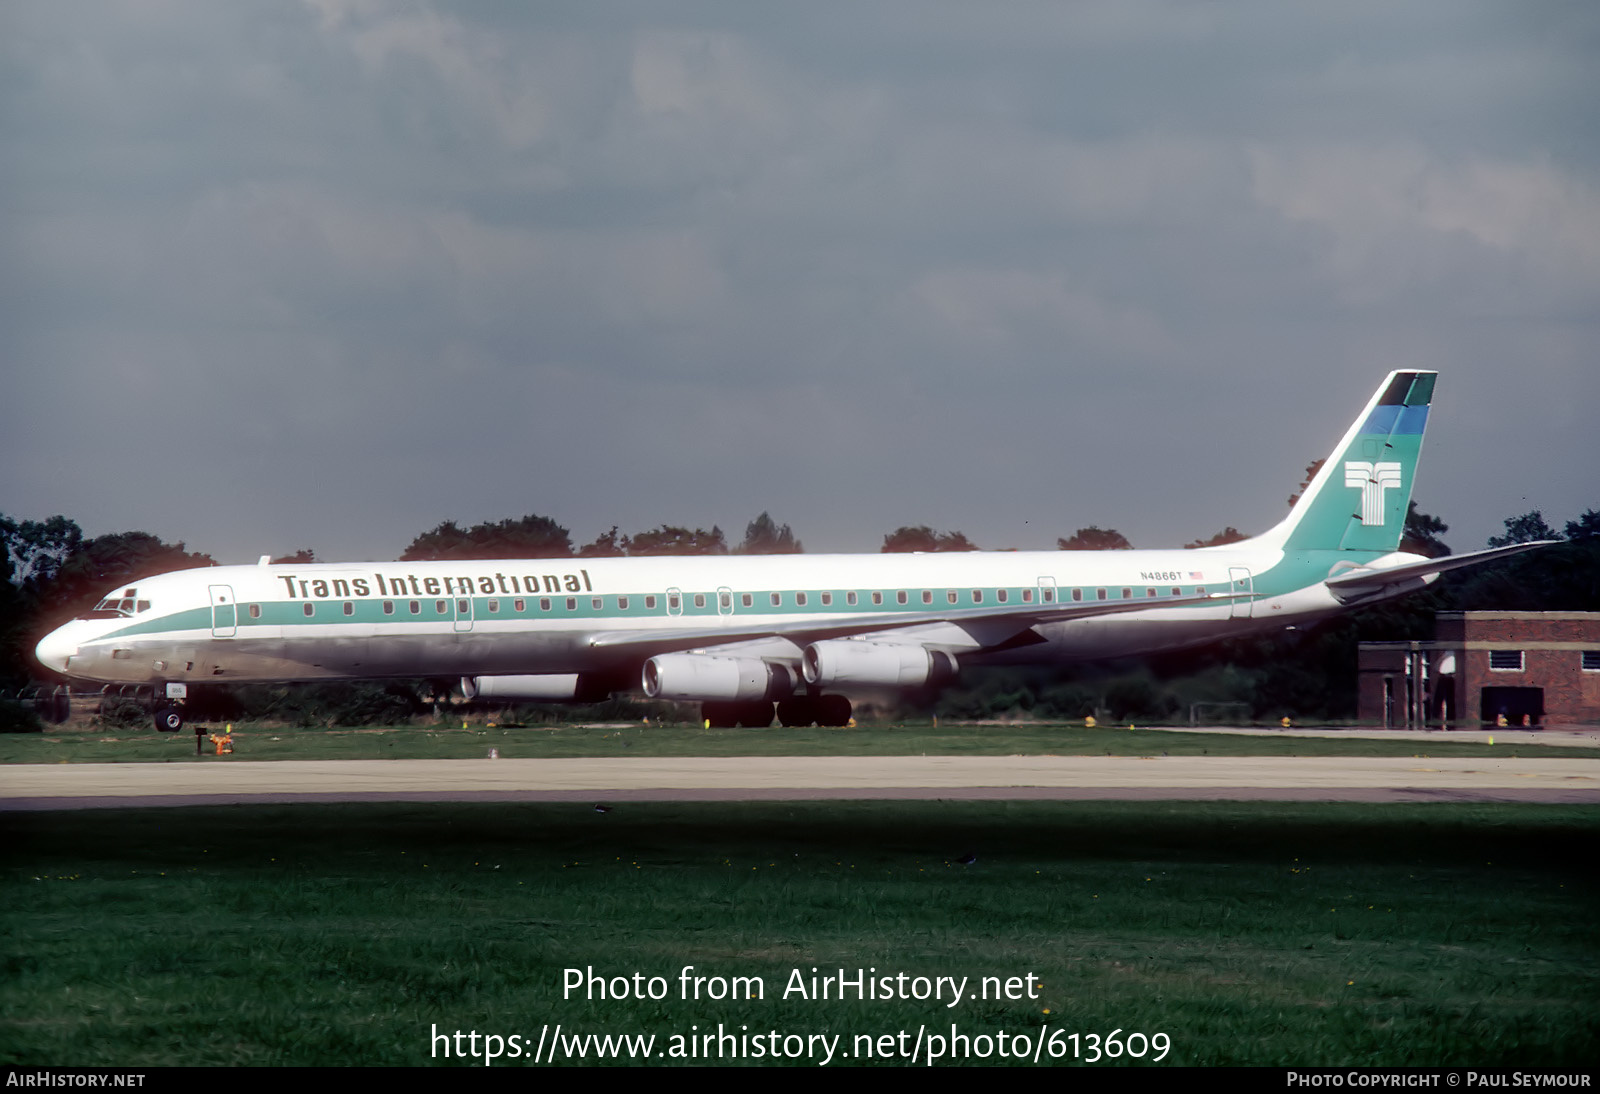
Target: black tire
(833,710)
(169,719)
(796,713)
(755,715)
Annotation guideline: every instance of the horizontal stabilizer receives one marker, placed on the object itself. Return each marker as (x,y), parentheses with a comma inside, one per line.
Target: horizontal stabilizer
(1354,584)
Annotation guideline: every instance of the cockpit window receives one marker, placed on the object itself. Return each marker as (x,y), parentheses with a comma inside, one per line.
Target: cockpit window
(119,606)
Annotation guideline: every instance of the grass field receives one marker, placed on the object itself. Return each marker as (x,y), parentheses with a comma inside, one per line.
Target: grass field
(1247,933)
(474,742)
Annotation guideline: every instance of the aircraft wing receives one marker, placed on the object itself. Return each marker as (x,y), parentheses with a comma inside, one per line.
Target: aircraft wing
(1366,581)
(985,627)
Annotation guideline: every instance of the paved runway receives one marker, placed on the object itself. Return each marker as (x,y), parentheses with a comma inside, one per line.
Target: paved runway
(79,786)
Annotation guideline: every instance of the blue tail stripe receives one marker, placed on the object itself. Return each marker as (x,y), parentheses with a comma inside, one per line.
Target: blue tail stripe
(1393,418)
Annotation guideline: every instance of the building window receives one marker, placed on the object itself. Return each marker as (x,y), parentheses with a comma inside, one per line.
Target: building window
(1505,660)
(1591,660)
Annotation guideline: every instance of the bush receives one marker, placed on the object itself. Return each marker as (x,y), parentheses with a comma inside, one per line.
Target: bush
(18,717)
(119,713)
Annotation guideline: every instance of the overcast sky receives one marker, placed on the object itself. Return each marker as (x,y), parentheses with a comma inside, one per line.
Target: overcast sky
(279,275)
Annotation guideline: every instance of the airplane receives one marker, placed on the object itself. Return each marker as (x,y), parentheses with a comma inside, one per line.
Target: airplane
(750,636)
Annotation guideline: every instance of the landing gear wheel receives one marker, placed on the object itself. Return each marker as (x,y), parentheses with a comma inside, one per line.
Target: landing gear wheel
(796,712)
(833,710)
(755,715)
(169,719)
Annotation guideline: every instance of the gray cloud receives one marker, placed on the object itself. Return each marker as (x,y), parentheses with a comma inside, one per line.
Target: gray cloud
(275,276)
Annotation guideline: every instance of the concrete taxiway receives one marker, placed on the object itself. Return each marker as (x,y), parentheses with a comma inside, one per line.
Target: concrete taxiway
(69,786)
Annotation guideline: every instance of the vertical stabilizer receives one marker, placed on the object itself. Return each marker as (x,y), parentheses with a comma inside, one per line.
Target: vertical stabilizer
(1359,498)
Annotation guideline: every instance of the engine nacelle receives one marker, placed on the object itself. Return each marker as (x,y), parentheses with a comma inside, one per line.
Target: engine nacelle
(545,688)
(840,662)
(701,676)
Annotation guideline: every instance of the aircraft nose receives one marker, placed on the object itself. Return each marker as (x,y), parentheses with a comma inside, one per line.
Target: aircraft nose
(55,648)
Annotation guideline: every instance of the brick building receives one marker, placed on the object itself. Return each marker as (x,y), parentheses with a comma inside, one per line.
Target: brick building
(1542,667)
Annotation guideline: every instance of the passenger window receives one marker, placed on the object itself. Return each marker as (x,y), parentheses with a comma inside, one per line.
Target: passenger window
(777,600)
(1100,594)
(144,606)
(1149,592)
(1176,591)
(1049,596)
(724,601)
(800,599)
(494,606)
(416,607)
(464,608)
(520,606)
(877,598)
(572,603)
(311,609)
(597,603)
(349,608)
(977,596)
(1027,596)
(746,599)
(441,607)
(850,598)
(1200,590)
(1002,595)
(951,596)
(827,600)
(1127,593)
(255,611)
(672,602)
(900,596)
(650,602)
(927,596)
(622,603)
(699,600)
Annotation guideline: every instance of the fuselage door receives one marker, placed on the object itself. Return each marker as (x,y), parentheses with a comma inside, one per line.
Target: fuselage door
(463,613)
(1241,586)
(224,612)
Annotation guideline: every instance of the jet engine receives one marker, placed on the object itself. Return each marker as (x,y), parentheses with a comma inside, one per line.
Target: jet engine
(701,676)
(841,662)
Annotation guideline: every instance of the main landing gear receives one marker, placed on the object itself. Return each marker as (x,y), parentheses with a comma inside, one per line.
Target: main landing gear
(169,719)
(798,710)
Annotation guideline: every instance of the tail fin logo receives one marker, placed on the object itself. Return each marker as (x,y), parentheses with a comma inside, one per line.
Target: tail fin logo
(1372,479)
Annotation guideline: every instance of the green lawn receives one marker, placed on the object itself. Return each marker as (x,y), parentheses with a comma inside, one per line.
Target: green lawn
(1247,933)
